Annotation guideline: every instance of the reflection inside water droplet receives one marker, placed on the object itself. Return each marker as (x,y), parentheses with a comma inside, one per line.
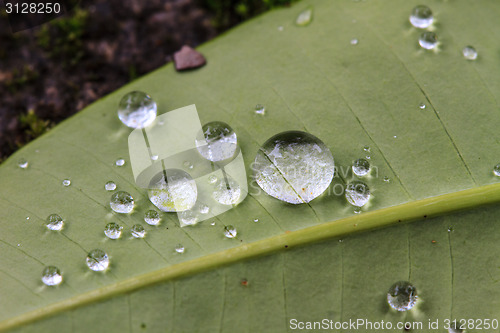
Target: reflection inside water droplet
(402,296)
(361,167)
(422,106)
(152,217)
(51,276)
(179,248)
(496,170)
(54,222)
(230,231)
(113,230)
(97,260)
(428,40)
(357,193)
(219,143)
(421,17)
(138,231)
(137,109)
(122,202)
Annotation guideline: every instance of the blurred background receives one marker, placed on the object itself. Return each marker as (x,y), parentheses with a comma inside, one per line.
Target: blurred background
(52,71)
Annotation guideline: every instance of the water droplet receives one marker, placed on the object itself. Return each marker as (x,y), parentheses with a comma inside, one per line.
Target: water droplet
(187,217)
(422,106)
(256,220)
(366,148)
(66,182)
(469,53)
(357,193)
(227,193)
(428,40)
(260,109)
(230,231)
(294,166)
(22,163)
(368,157)
(154,157)
(280,28)
(361,167)
(450,229)
(122,202)
(188,165)
(113,230)
(204,209)
(212,179)
(402,296)
(305,17)
(496,170)
(354,41)
(179,248)
(51,276)
(110,186)
(456,327)
(421,17)
(178,195)
(219,142)
(152,217)
(54,222)
(386,179)
(213,223)
(27,218)
(120,162)
(357,210)
(97,260)
(137,110)
(138,231)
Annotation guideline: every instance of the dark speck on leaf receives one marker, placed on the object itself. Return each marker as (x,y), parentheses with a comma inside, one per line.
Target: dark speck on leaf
(188,58)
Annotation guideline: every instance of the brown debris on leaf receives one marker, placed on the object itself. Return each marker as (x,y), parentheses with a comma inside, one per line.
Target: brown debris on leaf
(188,58)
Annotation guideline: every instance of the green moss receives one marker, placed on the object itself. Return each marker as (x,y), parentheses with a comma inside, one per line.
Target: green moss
(33,125)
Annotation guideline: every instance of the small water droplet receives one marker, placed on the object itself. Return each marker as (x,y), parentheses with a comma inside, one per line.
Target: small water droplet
(294,167)
(469,53)
(219,143)
(110,186)
(138,231)
(230,231)
(256,220)
(152,217)
(421,17)
(341,240)
(428,40)
(120,162)
(386,179)
(260,109)
(366,148)
(357,210)
(305,17)
(357,193)
(496,170)
(450,229)
(280,28)
(204,209)
(227,193)
(187,217)
(456,327)
(179,248)
(402,296)
(354,41)
(113,230)
(361,167)
(54,222)
(422,106)
(137,109)
(368,157)
(122,202)
(213,223)
(97,260)
(395,137)
(18,244)
(51,276)
(212,179)
(154,157)
(188,165)
(178,195)
(66,182)
(22,163)
(27,218)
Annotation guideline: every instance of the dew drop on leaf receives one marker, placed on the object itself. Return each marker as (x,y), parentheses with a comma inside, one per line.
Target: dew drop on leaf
(354,41)
(51,276)
(122,202)
(361,167)
(305,17)
(496,170)
(22,163)
(178,195)
(54,222)
(219,143)
(428,40)
(110,186)
(120,162)
(402,296)
(97,260)
(469,53)
(152,217)
(421,17)
(137,109)
(138,231)
(357,193)
(230,231)
(260,109)
(422,106)
(227,193)
(179,248)
(66,182)
(113,230)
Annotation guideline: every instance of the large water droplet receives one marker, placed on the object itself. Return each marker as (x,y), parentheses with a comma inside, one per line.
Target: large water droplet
(54,222)
(178,195)
(179,248)
(469,53)
(138,231)
(51,276)
(66,182)
(305,17)
(137,109)
(227,193)
(357,193)
(220,142)
(122,202)
(152,217)
(361,167)
(97,260)
(294,166)
(402,296)
(496,170)
(260,109)
(22,163)
(428,40)
(120,162)
(110,186)
(113,230)
(230,231)
(421,17)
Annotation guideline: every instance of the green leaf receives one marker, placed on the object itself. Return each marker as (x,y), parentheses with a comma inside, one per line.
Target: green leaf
(439,160)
